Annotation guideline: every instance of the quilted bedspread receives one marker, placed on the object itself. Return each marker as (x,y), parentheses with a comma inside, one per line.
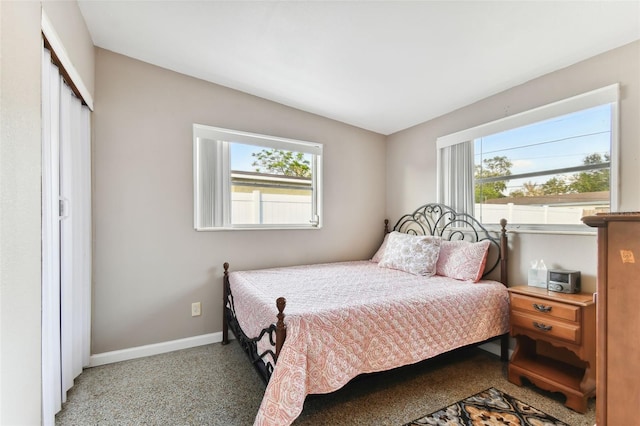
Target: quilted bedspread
(345,319)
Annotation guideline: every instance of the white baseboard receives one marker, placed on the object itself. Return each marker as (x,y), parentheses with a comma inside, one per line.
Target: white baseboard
(192,342)
(154,349)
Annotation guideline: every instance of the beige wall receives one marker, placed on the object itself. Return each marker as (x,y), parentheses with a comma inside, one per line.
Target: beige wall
(20,213)
(20,199)
(411,154)
(149,263)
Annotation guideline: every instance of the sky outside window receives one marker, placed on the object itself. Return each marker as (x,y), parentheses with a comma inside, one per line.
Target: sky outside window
(242,158)
(557,143)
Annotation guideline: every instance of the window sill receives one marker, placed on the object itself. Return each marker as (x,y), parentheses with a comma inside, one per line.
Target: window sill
(545,230)
(551,232)
(261,228)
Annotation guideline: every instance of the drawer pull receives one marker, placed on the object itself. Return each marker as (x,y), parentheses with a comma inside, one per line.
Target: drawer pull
(542,327)
(541,308)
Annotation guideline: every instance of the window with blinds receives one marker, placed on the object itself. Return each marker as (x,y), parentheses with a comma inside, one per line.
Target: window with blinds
(247,181)
(542,169)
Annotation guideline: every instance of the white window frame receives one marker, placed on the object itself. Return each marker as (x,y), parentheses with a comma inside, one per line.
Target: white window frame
(214,213)
(605,95)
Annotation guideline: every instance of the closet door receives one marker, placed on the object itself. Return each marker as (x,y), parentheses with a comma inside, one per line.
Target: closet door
(75,236)
(66,238)
(51,367)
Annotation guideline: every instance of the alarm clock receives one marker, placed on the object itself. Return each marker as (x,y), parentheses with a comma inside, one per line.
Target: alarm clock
(562,281)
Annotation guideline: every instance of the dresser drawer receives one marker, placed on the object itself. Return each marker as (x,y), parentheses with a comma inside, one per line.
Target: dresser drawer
(546,326)
(546,308)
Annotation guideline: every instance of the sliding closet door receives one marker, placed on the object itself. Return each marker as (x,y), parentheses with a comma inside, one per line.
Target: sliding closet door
(51,367)
(66,238)
(75,232)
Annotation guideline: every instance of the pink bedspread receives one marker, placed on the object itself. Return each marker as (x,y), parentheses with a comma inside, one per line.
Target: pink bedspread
(345,319)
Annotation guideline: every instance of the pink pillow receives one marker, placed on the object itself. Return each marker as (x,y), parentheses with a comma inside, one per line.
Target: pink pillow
(462,260)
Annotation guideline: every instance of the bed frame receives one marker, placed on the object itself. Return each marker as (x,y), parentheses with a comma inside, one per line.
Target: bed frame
(429,219)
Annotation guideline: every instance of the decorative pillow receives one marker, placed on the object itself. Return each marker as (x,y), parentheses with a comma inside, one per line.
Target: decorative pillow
(417,255)
(462,260)
(378,256)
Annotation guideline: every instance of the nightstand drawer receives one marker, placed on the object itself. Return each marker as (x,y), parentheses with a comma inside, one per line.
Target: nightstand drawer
(546,308)
(546,326)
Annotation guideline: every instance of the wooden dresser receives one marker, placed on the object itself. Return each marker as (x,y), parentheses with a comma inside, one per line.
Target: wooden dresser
(555,342)
(618,318)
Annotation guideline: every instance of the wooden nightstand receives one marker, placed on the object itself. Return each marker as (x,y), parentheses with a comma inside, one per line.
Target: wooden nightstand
(555,342)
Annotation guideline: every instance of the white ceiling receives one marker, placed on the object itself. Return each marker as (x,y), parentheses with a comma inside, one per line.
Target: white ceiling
(379,65)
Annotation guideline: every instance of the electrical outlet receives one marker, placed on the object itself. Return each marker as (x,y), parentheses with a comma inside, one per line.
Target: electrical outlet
(195,309)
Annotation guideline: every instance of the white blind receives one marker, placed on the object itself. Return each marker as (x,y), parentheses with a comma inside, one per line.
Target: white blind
(212,160)
(455,177)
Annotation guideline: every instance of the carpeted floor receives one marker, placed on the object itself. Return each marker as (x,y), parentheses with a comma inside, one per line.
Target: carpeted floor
(215,385)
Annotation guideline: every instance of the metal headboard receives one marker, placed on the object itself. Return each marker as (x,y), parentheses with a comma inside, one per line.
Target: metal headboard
(443,221)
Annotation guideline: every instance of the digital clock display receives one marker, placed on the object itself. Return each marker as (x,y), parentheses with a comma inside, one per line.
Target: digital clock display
(561,278)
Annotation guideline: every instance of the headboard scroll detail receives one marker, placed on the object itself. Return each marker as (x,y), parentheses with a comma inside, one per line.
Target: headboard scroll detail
(442,221)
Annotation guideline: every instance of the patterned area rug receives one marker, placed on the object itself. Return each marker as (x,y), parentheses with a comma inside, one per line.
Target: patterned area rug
(488,408)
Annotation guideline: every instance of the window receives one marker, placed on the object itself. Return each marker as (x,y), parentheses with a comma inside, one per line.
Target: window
(542,169)
(245,180)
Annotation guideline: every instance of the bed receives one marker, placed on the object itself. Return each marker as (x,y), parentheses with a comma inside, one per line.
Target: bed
(437,283)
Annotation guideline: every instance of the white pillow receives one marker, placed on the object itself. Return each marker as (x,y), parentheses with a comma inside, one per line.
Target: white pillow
(376,257)
(415,254)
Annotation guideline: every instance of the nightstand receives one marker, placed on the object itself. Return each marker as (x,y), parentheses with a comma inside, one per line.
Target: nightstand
(555,342)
